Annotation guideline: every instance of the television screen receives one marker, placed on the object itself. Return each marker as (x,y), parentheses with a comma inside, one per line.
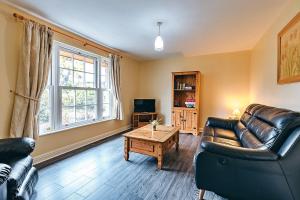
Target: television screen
(144,105)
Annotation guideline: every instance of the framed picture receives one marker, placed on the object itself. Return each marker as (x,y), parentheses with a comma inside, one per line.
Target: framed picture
(289,52)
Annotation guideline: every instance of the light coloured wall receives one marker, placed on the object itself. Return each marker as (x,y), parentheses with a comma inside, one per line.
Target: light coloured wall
(224,82)
(263,82)
(10,40)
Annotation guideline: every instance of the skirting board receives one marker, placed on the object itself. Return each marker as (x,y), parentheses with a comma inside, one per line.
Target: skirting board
(63,150)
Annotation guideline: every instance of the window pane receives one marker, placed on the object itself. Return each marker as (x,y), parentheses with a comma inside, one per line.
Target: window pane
(78,79)
(65,62)
(91,112)
(105,110)
(68,115)
(105,96)
(103,71)
(66,77)
(44,114)
(105,62)
(80,113)
(89,66)
(91,97)
(44,121)
(89,80)
(80,97)
(78,65)
(68,97)
(104,83)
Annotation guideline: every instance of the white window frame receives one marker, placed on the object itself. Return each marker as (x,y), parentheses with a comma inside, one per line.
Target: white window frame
(55,90)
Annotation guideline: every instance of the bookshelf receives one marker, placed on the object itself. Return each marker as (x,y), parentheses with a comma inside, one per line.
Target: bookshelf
(185,101)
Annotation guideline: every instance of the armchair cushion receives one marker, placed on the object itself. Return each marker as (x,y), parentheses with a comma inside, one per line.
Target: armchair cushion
(20,168)
(4,172)
(16,147)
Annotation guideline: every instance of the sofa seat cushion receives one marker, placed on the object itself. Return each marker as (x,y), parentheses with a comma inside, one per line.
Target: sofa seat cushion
(224,133)
(219,132)
(221,140)
(19,170)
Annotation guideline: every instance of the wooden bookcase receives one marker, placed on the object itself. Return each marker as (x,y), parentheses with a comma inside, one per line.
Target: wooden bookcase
(140,119)
(186,87)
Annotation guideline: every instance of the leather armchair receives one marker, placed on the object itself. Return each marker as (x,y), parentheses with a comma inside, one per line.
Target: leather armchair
(15,153)
(256,157)
(4,173)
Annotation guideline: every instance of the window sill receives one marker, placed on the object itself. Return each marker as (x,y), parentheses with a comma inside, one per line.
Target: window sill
(73,127)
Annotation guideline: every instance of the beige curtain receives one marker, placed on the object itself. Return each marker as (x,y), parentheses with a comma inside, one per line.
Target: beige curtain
(32,78)
(115,84)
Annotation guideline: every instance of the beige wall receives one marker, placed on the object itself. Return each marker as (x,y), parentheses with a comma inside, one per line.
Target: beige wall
(263,82)
(10,40)
(224,82)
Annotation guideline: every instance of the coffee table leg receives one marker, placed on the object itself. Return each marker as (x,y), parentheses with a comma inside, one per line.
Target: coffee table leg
(126,148)
(177,141)
(160,157)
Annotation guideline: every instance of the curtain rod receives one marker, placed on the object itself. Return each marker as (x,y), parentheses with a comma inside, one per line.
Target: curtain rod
(85,43)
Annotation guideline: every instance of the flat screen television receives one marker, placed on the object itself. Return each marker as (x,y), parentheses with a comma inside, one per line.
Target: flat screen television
(144,105)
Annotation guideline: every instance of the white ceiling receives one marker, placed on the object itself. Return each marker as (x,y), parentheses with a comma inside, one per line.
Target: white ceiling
(191,27)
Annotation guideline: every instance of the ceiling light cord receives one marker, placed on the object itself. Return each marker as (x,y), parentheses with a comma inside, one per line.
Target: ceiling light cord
(159,24)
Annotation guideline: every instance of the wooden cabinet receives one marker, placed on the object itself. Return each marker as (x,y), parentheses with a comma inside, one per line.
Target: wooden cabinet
(186,120)
(142,119)
(177,116)
(186,98)
(190,120)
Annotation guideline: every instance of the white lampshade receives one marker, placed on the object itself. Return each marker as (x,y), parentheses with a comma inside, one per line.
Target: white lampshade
(159,43)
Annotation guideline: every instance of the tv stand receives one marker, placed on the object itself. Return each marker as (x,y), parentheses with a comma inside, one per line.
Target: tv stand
(140,119)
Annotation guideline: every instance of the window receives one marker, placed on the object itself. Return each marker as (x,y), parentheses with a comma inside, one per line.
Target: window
(78,89)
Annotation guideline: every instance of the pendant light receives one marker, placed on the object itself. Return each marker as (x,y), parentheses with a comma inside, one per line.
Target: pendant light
(159,43)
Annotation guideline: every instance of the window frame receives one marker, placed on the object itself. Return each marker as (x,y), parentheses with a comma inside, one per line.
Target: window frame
(55,90)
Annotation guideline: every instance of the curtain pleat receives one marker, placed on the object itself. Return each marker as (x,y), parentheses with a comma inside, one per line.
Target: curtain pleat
(114,73)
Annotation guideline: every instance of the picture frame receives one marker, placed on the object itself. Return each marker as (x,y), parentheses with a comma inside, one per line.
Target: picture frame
(288,58)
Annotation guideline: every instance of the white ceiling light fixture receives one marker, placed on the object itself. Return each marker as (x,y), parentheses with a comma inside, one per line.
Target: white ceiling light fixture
(159,43)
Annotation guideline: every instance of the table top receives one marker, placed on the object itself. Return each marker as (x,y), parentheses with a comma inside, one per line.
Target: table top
(162,133)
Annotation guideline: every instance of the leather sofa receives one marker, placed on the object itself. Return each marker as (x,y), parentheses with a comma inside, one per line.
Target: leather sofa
(15,154)
(256,157)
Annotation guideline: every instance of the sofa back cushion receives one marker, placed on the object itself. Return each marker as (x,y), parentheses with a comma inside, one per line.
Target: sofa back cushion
(269,125)
(247,139)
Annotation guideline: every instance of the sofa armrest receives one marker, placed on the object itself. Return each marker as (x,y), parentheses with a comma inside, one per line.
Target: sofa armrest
(16,147)
(221,123)
(239,152)
(4,172)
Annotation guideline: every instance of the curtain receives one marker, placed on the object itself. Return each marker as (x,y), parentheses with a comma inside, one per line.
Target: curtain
(114,74)
(35,60)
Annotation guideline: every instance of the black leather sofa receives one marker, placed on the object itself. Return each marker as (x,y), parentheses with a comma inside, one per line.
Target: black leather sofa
(15,154)
(256,157)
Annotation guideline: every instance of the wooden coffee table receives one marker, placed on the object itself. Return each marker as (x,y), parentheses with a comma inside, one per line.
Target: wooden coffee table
(153,143)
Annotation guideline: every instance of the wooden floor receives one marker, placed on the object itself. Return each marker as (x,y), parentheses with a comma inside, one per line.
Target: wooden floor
(101,173)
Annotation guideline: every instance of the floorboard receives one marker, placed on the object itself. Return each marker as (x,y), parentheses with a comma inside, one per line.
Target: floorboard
(102,173)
